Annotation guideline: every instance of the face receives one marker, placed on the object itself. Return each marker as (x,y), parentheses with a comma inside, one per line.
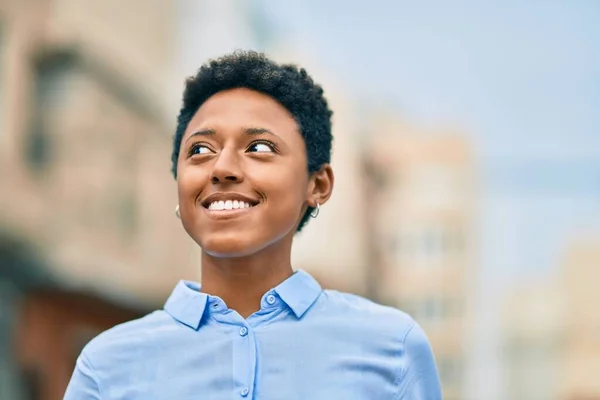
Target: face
(242,174)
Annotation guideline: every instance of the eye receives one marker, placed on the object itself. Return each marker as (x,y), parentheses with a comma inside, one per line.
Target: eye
(198,148)
(261,147)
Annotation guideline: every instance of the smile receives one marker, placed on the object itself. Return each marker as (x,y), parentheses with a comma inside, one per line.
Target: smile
(228,205)
(222,205)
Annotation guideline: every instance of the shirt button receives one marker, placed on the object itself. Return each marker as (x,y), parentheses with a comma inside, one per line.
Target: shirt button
(244,392)
(271,299)
(243,331)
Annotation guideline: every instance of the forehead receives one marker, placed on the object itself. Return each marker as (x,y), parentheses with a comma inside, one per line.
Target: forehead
(242,107)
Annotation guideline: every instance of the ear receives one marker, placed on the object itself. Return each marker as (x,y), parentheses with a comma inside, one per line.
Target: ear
(320,186)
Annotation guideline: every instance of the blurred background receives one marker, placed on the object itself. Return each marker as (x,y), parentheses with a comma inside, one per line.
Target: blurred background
(467,157)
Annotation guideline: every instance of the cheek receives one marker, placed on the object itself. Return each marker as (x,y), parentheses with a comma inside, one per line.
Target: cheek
(285,188)
(189,180)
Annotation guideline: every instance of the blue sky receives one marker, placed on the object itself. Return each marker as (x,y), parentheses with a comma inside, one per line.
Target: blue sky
(524,74)
(522,78)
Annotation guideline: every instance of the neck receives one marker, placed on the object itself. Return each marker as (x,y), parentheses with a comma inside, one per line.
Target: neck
(242,281)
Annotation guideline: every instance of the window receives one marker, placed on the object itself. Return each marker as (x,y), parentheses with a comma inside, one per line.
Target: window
(426,246)
(450,370)
(455,241)
(127,214)
(419,247)
(432,308)
(438,186)
(426,309)
(9,296)
(53,75)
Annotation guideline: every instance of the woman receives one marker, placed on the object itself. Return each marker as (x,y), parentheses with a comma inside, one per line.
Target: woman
(251,158)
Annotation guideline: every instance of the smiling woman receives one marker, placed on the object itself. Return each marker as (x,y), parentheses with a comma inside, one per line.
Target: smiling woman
(251,157)
(244,145)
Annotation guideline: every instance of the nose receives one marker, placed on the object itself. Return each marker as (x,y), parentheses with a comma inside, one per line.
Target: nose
(227,168)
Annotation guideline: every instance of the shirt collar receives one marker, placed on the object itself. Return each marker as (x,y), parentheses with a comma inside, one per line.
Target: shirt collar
(299,292)
(187,304)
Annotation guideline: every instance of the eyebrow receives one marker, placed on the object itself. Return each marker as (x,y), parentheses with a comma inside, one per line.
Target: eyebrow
(246,131)
(202,132)
(257,131)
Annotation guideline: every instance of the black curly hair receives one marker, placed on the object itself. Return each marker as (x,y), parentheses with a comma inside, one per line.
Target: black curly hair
(291,86)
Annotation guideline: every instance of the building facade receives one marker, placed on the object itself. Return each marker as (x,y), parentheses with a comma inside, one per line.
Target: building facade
(552,331)
(421,224)
(88,234)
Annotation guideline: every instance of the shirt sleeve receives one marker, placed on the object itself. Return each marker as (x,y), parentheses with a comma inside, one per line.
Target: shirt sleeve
(420,380)
(83,385)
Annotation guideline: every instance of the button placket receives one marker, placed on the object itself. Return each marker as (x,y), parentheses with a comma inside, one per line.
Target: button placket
(244,359)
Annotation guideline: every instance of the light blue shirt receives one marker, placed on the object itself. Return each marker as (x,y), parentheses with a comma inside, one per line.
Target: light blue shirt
(304,343)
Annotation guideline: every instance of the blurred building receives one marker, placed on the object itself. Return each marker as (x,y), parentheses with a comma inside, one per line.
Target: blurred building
(581,275)
(533,340)
(419,214)
(88,235)
(552,331)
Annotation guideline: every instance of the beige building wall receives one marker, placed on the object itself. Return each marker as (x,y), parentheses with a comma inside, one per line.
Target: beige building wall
(581,363)
(552,331)
(136,37)
(85,147)
(110,133)
(423,206)
(533,321)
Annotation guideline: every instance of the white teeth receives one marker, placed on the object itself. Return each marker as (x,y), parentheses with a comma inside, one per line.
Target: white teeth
(227,205)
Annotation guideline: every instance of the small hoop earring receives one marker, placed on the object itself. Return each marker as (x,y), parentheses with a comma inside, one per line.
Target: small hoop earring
(177,213)
(315,212)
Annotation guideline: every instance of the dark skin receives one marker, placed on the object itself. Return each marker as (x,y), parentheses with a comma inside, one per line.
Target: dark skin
(245,147)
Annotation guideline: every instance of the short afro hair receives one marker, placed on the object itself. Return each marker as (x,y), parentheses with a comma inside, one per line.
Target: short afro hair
(291,86)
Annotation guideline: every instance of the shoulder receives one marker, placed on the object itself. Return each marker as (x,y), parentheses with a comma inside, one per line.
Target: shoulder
(386,330)
(115,353)
(364,312)
(124,338)
(419,376)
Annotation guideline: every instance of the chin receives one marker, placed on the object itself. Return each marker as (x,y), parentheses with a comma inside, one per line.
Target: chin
(229,240)
(230,246)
